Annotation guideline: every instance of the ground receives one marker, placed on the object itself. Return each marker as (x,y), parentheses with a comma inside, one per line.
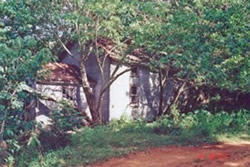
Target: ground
(227,154)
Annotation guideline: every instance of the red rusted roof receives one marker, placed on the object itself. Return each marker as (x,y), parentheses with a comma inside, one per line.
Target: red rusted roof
(61,73)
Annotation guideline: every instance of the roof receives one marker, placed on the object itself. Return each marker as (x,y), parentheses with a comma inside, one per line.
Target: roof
(61,73)
(136,56)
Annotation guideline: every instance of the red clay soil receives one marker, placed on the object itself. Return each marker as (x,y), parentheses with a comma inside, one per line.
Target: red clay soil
(217,155)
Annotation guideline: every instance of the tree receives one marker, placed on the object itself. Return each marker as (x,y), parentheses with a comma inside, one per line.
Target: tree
(85,21)
(20,57)
(198,43)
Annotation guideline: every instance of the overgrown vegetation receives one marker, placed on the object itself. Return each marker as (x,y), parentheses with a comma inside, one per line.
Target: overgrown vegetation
(121,137)
(195,42)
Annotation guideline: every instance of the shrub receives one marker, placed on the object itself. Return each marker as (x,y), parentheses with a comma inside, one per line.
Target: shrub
(66,117)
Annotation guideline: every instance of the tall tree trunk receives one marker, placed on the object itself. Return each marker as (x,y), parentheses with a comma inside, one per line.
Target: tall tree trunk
(163,76)
(89,93)
(160,112)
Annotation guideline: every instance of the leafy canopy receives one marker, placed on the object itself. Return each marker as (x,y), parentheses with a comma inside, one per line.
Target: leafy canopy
(204,41)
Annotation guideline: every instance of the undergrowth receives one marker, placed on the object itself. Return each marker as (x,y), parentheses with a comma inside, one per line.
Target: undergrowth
(121,137)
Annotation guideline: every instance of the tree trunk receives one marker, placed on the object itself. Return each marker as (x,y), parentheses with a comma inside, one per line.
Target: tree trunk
(160,112)
(163,76)
(89,93)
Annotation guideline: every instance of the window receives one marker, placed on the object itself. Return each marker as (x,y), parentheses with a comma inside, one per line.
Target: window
(133,95)
(69,93)
(134,87)
(133,90)
(64,92)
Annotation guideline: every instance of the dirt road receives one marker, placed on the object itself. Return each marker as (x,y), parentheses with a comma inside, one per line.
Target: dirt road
(216,155)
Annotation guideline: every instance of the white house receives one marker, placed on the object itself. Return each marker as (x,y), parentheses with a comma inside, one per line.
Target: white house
(134,94)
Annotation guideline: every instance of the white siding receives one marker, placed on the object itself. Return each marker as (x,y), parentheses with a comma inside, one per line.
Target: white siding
(119,95)
(46,106)
(55,91)
(50,90)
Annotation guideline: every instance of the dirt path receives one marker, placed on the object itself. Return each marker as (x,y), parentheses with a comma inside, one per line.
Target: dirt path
(217,155)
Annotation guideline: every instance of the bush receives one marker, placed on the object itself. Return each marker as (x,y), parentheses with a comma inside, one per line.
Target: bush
(203,123)
(66,117)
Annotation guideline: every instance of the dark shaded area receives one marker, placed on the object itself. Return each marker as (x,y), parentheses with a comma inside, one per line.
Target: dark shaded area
(213,99)
(229,101)
(52,140)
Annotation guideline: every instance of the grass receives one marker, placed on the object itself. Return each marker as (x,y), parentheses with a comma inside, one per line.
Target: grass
(121,137)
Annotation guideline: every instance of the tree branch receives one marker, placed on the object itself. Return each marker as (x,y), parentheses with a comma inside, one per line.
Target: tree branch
(107,85)
(63,45)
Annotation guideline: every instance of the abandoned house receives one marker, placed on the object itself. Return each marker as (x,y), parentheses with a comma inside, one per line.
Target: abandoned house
(135,94)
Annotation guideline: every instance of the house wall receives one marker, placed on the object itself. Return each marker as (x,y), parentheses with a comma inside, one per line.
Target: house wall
(119,94)
(55,91)
(43,108)
(106,97)
(46,106)
(148,94)
(169,91)
(72,60)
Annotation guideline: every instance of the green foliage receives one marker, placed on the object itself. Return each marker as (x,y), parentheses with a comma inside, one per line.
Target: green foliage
(203,124)
(66,118)
(202,41)
(21,56)
(174,112)
(18,62)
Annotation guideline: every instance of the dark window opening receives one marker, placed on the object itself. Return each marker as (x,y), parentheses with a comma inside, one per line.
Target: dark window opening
(134,95)
(64,92)
(69,93)
(133,90)
(134,99)
(134,87)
